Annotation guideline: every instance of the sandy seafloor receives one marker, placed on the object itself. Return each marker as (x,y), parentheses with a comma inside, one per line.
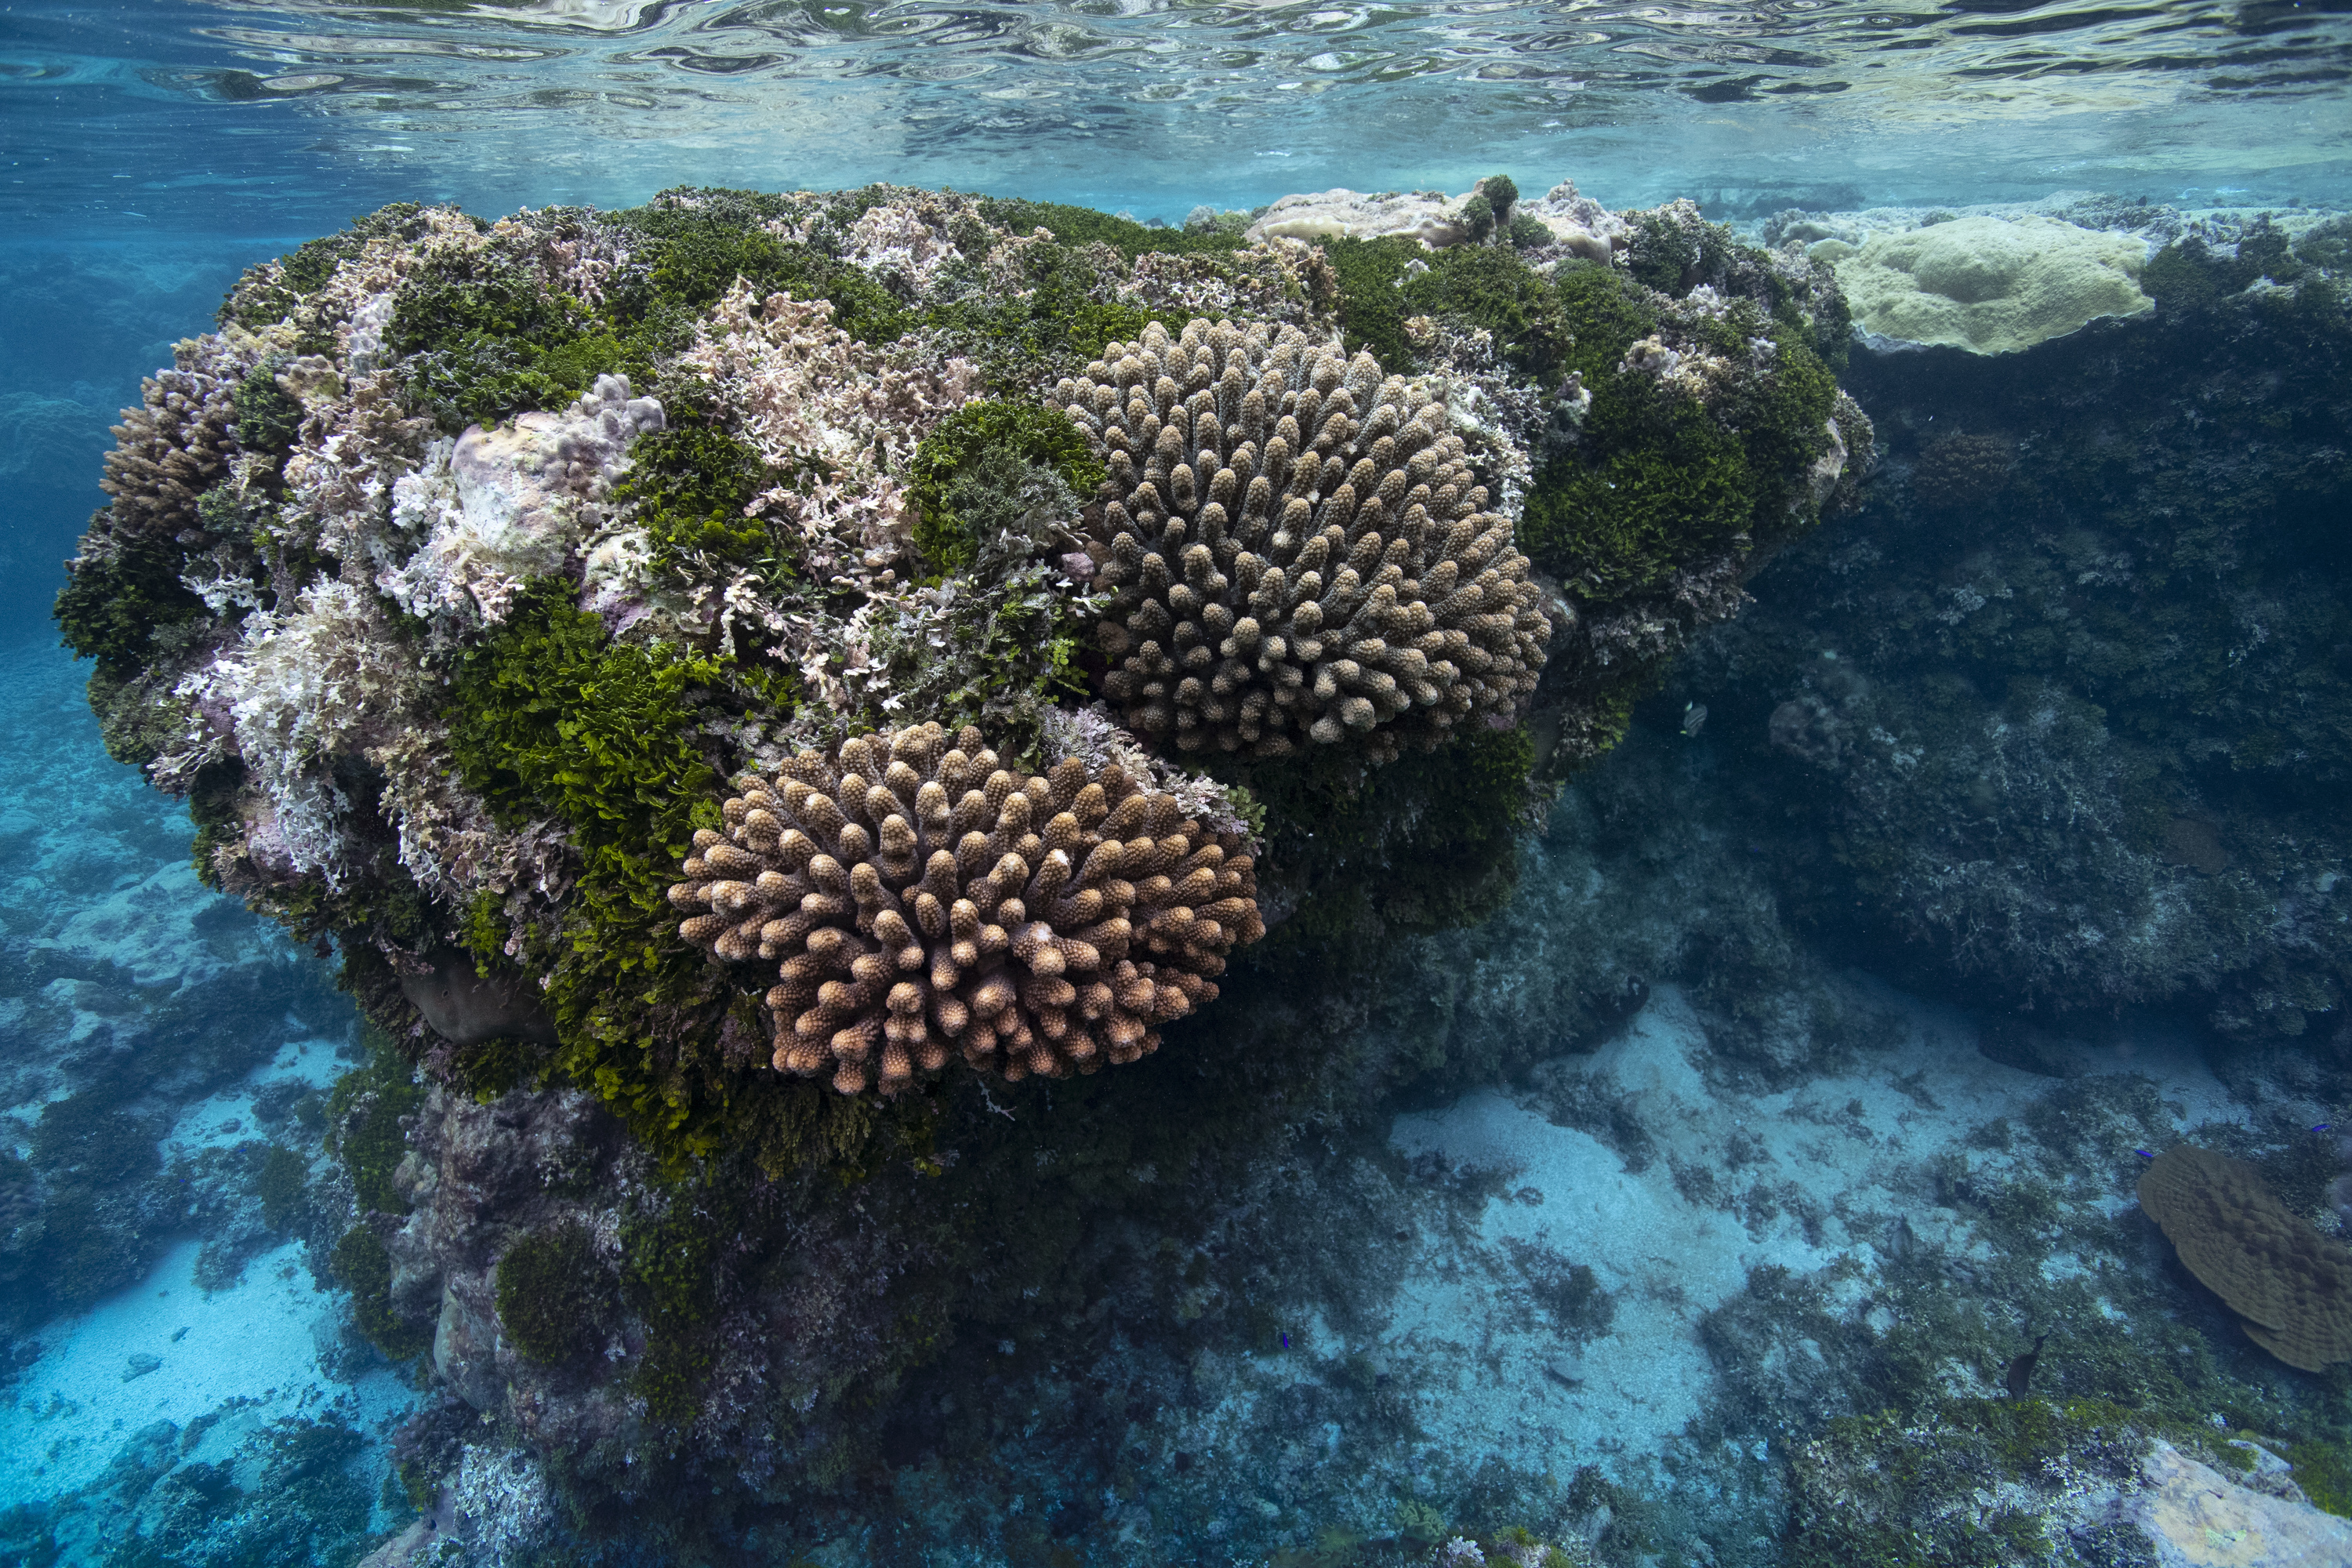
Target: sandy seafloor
(118,970)
(1844,1153)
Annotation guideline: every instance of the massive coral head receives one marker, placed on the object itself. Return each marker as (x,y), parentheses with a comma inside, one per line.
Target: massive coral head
(1299,550)
(920,898)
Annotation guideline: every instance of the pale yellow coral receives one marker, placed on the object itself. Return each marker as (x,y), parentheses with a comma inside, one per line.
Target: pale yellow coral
(1992,285)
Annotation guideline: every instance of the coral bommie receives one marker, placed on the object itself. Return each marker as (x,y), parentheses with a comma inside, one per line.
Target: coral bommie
(1285,570)
(921,897)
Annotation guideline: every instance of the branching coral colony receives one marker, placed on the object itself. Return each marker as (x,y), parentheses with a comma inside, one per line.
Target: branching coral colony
(451,577)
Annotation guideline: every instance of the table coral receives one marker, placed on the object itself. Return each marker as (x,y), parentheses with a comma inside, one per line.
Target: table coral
(894,883)
(1240,476)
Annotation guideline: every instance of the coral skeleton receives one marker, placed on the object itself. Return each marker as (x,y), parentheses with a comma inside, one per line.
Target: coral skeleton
(1298,549)
(921,898)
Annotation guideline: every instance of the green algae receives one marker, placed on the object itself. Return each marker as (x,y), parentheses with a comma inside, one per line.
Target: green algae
(267,419)
(552,716)
(554,1295)
(364,1111)
(112,605)
(361,1266)
(697,244)
(482,340)
(1429,842)
(1656,479)
(670,1276)
(281,1184)
(961,443)
(690,486)
(1076,225)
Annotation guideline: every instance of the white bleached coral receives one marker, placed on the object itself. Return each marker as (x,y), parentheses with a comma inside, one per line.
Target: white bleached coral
(1431,216)
(299,685)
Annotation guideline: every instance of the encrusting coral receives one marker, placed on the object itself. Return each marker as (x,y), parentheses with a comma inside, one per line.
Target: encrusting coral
(2290,1286)
(923,898)
(1284,570)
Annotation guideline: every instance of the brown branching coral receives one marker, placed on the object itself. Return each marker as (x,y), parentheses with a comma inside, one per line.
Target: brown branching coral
(170,450)
(1297,547)
(2290,1286)
(920,898)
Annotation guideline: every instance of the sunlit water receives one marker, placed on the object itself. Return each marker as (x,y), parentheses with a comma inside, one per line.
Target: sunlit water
(243,117)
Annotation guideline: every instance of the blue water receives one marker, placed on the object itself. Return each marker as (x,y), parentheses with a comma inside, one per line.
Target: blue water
(153,150)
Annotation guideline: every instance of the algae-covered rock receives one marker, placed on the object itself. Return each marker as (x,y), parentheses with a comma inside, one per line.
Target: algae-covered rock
(2076,1484)
(2083,735)
(1991,285)
(2193,1514)
(497,548)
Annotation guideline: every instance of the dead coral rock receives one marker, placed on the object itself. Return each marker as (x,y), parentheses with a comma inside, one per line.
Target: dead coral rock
(921,896)
(466,1341)
(468,1008)
(2290,1286)
(1297,549)
(476,1172)
(2193,1514)
(1958,471)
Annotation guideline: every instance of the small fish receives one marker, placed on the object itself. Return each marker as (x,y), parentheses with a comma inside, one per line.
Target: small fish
(2143,1153)
(2019,1378)
(2323,1127)
(1693,718)
(1286,1339)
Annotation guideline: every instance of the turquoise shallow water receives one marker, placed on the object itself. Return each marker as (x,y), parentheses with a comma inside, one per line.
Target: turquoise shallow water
(225,116)
(1817,1036)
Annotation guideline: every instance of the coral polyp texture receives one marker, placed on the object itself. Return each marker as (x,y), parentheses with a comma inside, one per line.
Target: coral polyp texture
(923,899)
(1298,547)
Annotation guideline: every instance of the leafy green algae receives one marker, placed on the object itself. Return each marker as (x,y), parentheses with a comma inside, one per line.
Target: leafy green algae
(691,484)
(361,1266)
(957,446)
(554,1294)
(1656,479)
(552,716)
(363,1115)
(484,341)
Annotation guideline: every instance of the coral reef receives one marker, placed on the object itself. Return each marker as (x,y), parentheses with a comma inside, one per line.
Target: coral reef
(1223,628)
(526,535)
(2290,1286)
(2080,737)
(932,930)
